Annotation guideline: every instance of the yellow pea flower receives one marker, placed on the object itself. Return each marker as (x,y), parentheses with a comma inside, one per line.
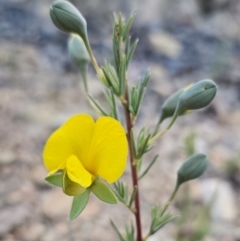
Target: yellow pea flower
(84,149)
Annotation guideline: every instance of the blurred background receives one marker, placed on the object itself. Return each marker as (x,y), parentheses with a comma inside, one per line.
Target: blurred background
(180,42)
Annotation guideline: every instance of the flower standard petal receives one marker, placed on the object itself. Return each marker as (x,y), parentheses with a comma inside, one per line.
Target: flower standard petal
(108,151)
(77,173)
(73,138)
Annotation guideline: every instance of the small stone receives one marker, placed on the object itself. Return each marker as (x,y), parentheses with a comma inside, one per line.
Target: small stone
(165,43)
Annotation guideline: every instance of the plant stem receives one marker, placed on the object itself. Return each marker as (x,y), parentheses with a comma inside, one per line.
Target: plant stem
(170,199)
(129,125)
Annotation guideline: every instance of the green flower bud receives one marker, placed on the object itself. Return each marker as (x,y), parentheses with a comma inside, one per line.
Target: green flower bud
(68,19)
(79,55)
(192,168)
(169,106)
(198,96)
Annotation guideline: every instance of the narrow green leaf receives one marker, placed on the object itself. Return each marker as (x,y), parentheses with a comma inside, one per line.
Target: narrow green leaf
(78,204)
(128,26)
(148,168)
(100,108)
(114,105)
(133,143)
(163,223)
(134,99)
(108,97)
(143,146)
(121,191)
(141,89)
(141,135)
(129,230)
(113,74)
(103,191)
(139,164)
(117,231)
(120,23)
(131,52)
(122,75)
(133,195)
(56,179)
(146,79)
(109,77)
(127,46)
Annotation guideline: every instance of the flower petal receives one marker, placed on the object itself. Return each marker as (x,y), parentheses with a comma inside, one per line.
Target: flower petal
(108,151)
(61,167)
(73,138)
(77,173)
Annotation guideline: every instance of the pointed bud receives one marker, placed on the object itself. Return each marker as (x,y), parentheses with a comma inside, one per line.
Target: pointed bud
(78,51)
(169,106)
(192,168)
(79,55)
(68,19)
(198,96)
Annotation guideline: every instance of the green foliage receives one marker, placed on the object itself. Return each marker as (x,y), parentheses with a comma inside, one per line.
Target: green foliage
(148,167)
(136,96)
(142,145)
(129,234)
(56,179)
(79,203)
(103,191)
(123,195)
(158,219)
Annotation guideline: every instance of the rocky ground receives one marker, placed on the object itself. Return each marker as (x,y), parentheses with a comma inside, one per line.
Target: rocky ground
(40,88)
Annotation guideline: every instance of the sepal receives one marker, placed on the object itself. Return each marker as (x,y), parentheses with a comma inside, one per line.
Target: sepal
(103,191)
(56,179)
(79,203)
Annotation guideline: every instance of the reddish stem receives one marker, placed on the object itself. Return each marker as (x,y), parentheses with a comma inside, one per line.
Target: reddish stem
(133,171)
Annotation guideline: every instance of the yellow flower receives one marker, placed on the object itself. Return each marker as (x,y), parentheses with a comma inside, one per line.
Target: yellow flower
(84,149)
